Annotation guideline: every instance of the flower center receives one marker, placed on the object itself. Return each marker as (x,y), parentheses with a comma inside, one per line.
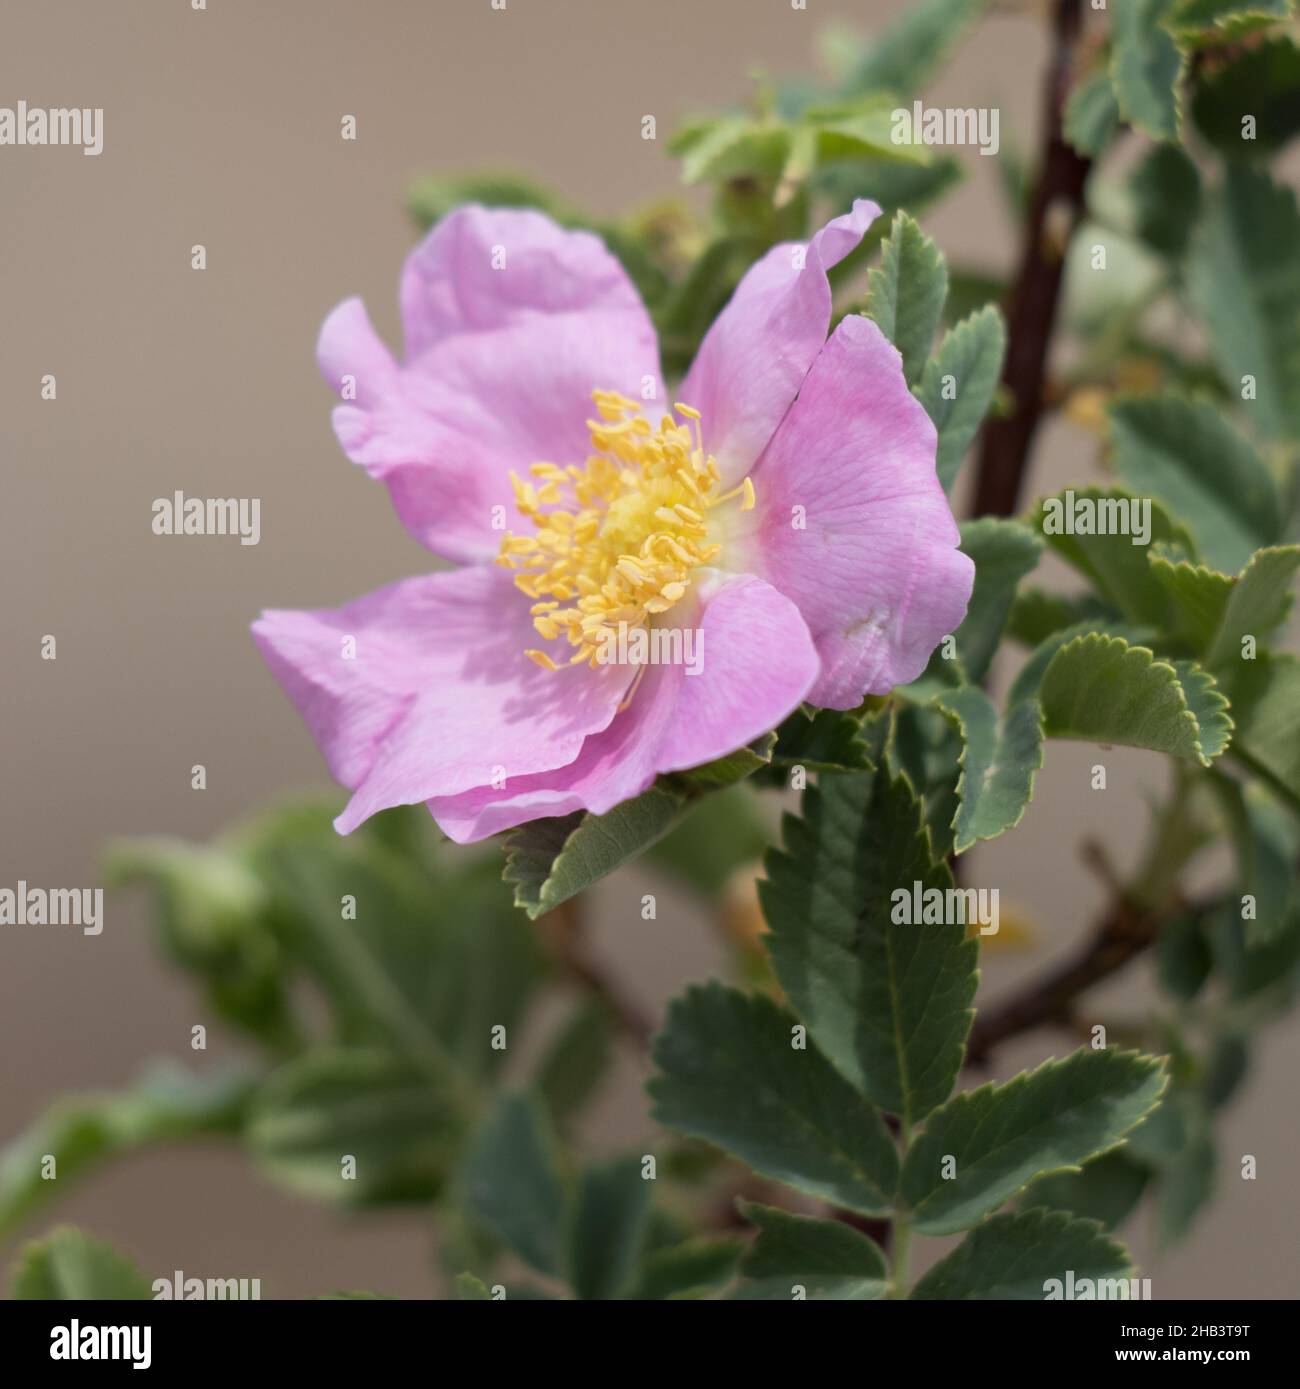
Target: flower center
(617,537)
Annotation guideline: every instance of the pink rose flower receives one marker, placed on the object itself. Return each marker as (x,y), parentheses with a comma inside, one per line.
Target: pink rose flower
(785,515)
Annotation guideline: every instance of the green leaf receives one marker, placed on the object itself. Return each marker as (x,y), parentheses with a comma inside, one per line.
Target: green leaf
(888,1003)
(926,748)
(689,1269)
(1266,707)
(1215,21)
(471,1289)
(419,957)
(1114,560)
(81,1131)
(1036,614)
(554,859)
(1100,689)
(608,1228)
(1004,551)
(825,1259)
(1264,841)
(734,147)
(958,382)
(509,1182)
(1199,598)
(730,1072)
(913,46)
(1146,67)
(1107,1189)
(1245,278)
(1018,1256)
(1091,114)
(905,293)
(1260,601)
(1167,199)
(1260,83)
(388,1115)
(726,771)
(69,1266)
(1000,757)
(213,919)
(822,740)
(1000,1138)
(1185,454)
(575,1060)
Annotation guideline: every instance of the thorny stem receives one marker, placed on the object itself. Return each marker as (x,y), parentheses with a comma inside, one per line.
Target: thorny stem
(1004,450)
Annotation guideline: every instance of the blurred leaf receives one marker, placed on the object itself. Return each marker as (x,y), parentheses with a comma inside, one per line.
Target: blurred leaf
(575,1060)
(471,1289)
(1184,957)
(1036,614)
(905,294)
(1091,114)
(510,1184)
(1167,199)
(1185,454)
(1146,67)
(80,1131)
(825,1258)
(1245,278)
(1266,708)
(908,50)
(729,1072)
(1086,527)
(551,860)
(399,1125)
(957,385)
(688,1269)
(1001,1137)
(608,1229)
(1016,1256)
(1100,689)
(1260,83)
(213,918)
(726,771)
(1215,21)
(1107,1189)
(69,1266)
(865,984)
(1260,601)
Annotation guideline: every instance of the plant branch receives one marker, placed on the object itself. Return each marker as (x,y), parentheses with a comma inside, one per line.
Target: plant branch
(1054,214)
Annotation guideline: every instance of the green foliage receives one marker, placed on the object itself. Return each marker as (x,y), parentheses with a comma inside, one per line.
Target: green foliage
(825,1258)
(957,385)
(905,295)
(68,1266)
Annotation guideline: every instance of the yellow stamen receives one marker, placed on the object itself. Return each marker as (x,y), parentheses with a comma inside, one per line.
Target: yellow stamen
(621,533)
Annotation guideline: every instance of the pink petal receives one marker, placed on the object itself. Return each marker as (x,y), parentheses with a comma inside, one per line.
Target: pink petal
(501,364)
(440,697)
(876,572)
(755,356)
(758,663)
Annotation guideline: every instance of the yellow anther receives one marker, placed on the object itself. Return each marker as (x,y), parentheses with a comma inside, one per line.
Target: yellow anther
(616,539)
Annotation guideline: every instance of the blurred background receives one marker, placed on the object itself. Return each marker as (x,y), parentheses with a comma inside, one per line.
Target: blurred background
(222,127)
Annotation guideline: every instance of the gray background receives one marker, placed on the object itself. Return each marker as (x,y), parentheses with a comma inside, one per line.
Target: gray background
(222,127)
